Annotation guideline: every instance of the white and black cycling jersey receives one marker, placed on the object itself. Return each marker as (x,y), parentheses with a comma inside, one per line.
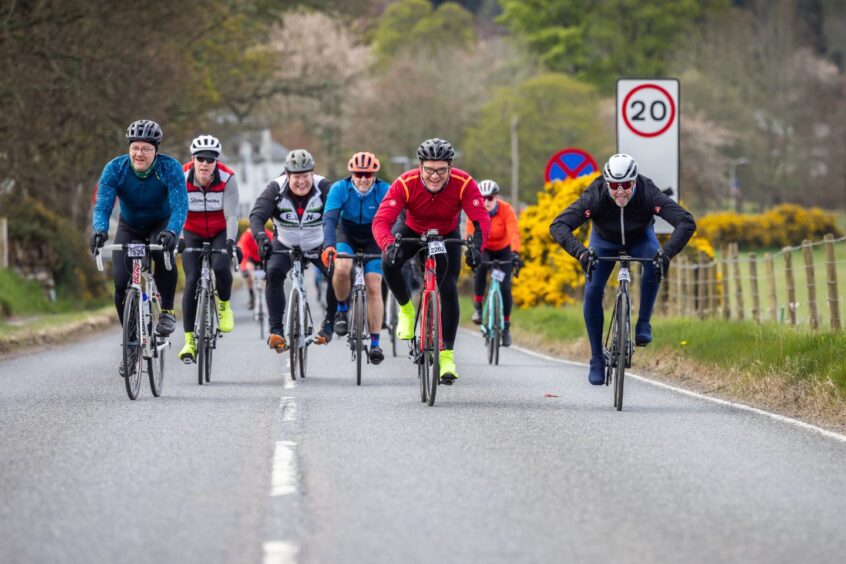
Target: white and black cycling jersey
(294,228)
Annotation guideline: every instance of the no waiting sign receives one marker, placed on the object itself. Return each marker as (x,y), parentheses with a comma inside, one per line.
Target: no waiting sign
(648,130)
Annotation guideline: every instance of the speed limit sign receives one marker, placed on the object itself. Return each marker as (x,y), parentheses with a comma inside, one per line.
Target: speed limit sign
(648,130)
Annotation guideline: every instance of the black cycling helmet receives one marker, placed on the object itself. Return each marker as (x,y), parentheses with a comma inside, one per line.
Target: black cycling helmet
(144,130)
(435,149)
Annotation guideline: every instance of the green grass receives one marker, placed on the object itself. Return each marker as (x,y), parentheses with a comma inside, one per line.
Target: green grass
(20,297)
(48,321)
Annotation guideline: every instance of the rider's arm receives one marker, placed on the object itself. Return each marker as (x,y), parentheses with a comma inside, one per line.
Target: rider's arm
(174,178)
(332,212)
(471,202)
(230,207)
(569,220)
(388,212)
(263,208)
(667,208)
(106,194)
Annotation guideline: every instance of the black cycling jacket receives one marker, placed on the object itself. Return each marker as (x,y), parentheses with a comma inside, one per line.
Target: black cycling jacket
(596,204)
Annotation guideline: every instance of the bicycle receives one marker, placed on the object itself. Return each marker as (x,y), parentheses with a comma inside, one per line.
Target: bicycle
(141,309)
(359,328)
(206,323)
(259,284)
(619,348)
(298,320)
(425,348)
(493,315)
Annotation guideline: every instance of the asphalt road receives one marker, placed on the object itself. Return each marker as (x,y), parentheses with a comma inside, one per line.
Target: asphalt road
(523,462)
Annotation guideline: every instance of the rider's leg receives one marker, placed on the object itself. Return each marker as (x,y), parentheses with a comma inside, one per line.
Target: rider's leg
(121,266)
(247,273)
(593,313)
(504,255)
(448,271)
(397,284)
(277,269)
(191,267)
(223,278)
(341,274)
(479,282)
(165,282)
(646,247)
(375,305)
(327,328)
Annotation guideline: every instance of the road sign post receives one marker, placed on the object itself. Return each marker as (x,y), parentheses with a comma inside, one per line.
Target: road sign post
(648,130)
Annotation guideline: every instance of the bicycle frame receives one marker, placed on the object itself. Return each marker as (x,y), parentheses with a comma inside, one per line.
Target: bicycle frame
(360,287)
(298,286)
(493,297)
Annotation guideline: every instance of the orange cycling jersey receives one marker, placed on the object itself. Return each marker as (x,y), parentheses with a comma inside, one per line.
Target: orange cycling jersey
(504,229)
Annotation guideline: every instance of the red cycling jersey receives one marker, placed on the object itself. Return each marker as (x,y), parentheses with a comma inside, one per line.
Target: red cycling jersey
(427,210)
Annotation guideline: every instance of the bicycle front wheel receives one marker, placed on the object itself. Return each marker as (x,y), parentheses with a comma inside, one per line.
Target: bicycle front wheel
(393,313)
(432,347)
(155,368)
(294,334)
(211,336)
(201,333)
(307,331)
(621,350)
(132,334)
(358,332)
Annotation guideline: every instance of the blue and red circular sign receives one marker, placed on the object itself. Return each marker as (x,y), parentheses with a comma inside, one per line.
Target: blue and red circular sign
(570,163)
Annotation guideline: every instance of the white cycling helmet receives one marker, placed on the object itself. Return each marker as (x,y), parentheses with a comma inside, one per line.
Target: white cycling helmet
(488,188)
(205,146)
(620,168)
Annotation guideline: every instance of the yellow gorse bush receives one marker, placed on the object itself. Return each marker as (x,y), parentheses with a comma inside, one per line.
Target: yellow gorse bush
(550,275)
(787,224)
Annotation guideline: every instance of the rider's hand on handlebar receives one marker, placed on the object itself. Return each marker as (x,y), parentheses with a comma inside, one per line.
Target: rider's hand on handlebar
(393,254)
(264,245)
(97,240)
(167,239)
(587,259)
(327,255)
(180,246)
(234,250)
(662,263)
(473,256)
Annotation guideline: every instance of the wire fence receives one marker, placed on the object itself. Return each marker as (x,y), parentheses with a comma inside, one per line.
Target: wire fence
(796,285)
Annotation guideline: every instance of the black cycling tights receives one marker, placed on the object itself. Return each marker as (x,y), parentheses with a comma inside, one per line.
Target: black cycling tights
(447,268)
(192,264)
(122,266)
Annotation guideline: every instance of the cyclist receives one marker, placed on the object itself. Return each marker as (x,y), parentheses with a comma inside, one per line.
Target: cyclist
(153,205)
(620,196)
(250,259)
(504,246)
(433,196)
(213,218)
(295,201)
(354,201)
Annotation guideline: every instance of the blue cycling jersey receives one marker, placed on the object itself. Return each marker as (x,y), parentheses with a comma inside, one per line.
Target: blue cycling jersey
(143,202)
(355,210)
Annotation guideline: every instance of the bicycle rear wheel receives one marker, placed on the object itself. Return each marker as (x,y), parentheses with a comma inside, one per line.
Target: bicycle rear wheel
(358,332)
(432,348)
(496,338)
(294,334)
(132,333)
(200,324)
(621,350)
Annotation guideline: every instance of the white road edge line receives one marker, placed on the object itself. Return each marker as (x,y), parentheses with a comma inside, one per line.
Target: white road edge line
(284,477)
(776,416)
(280,552)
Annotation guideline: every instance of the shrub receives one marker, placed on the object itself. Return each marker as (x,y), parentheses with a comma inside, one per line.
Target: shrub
(784,225)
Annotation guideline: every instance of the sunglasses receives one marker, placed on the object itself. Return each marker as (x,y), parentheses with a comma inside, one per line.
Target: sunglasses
(617,186)
(435,171)
(363,174)
(208,160)
(490,198)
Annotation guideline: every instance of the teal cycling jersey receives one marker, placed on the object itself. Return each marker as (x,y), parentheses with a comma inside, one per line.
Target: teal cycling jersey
(354,209)
(144,202)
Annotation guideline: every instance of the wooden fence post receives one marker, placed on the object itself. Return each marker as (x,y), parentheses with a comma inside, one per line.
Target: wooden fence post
(737,281)
(4,242)
(753,278)
(831,280)
(702,288)
(812,287)
(791,285)
(691,288)
(724,263)
(678,292)
(712,289)
(770,266)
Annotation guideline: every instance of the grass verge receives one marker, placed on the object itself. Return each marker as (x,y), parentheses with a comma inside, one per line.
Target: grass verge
(48,329)
(795,372)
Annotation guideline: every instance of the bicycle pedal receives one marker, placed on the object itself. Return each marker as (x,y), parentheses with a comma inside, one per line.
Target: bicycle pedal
(448,379)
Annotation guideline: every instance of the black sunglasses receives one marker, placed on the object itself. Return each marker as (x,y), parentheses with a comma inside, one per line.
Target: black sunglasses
(208,160)
(363,174)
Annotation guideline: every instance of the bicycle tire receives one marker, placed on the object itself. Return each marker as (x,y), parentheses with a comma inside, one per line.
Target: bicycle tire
(621,351)
(260,312)
(200,333)
(211,337)
(155,365)
(485,328)
(497,325)
(131,343)
(433,330)
(358,333)
(294,334)
(307,331)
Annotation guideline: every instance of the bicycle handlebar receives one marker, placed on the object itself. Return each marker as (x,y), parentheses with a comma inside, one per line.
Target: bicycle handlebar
(657,262)
(232,259)
(123,246)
